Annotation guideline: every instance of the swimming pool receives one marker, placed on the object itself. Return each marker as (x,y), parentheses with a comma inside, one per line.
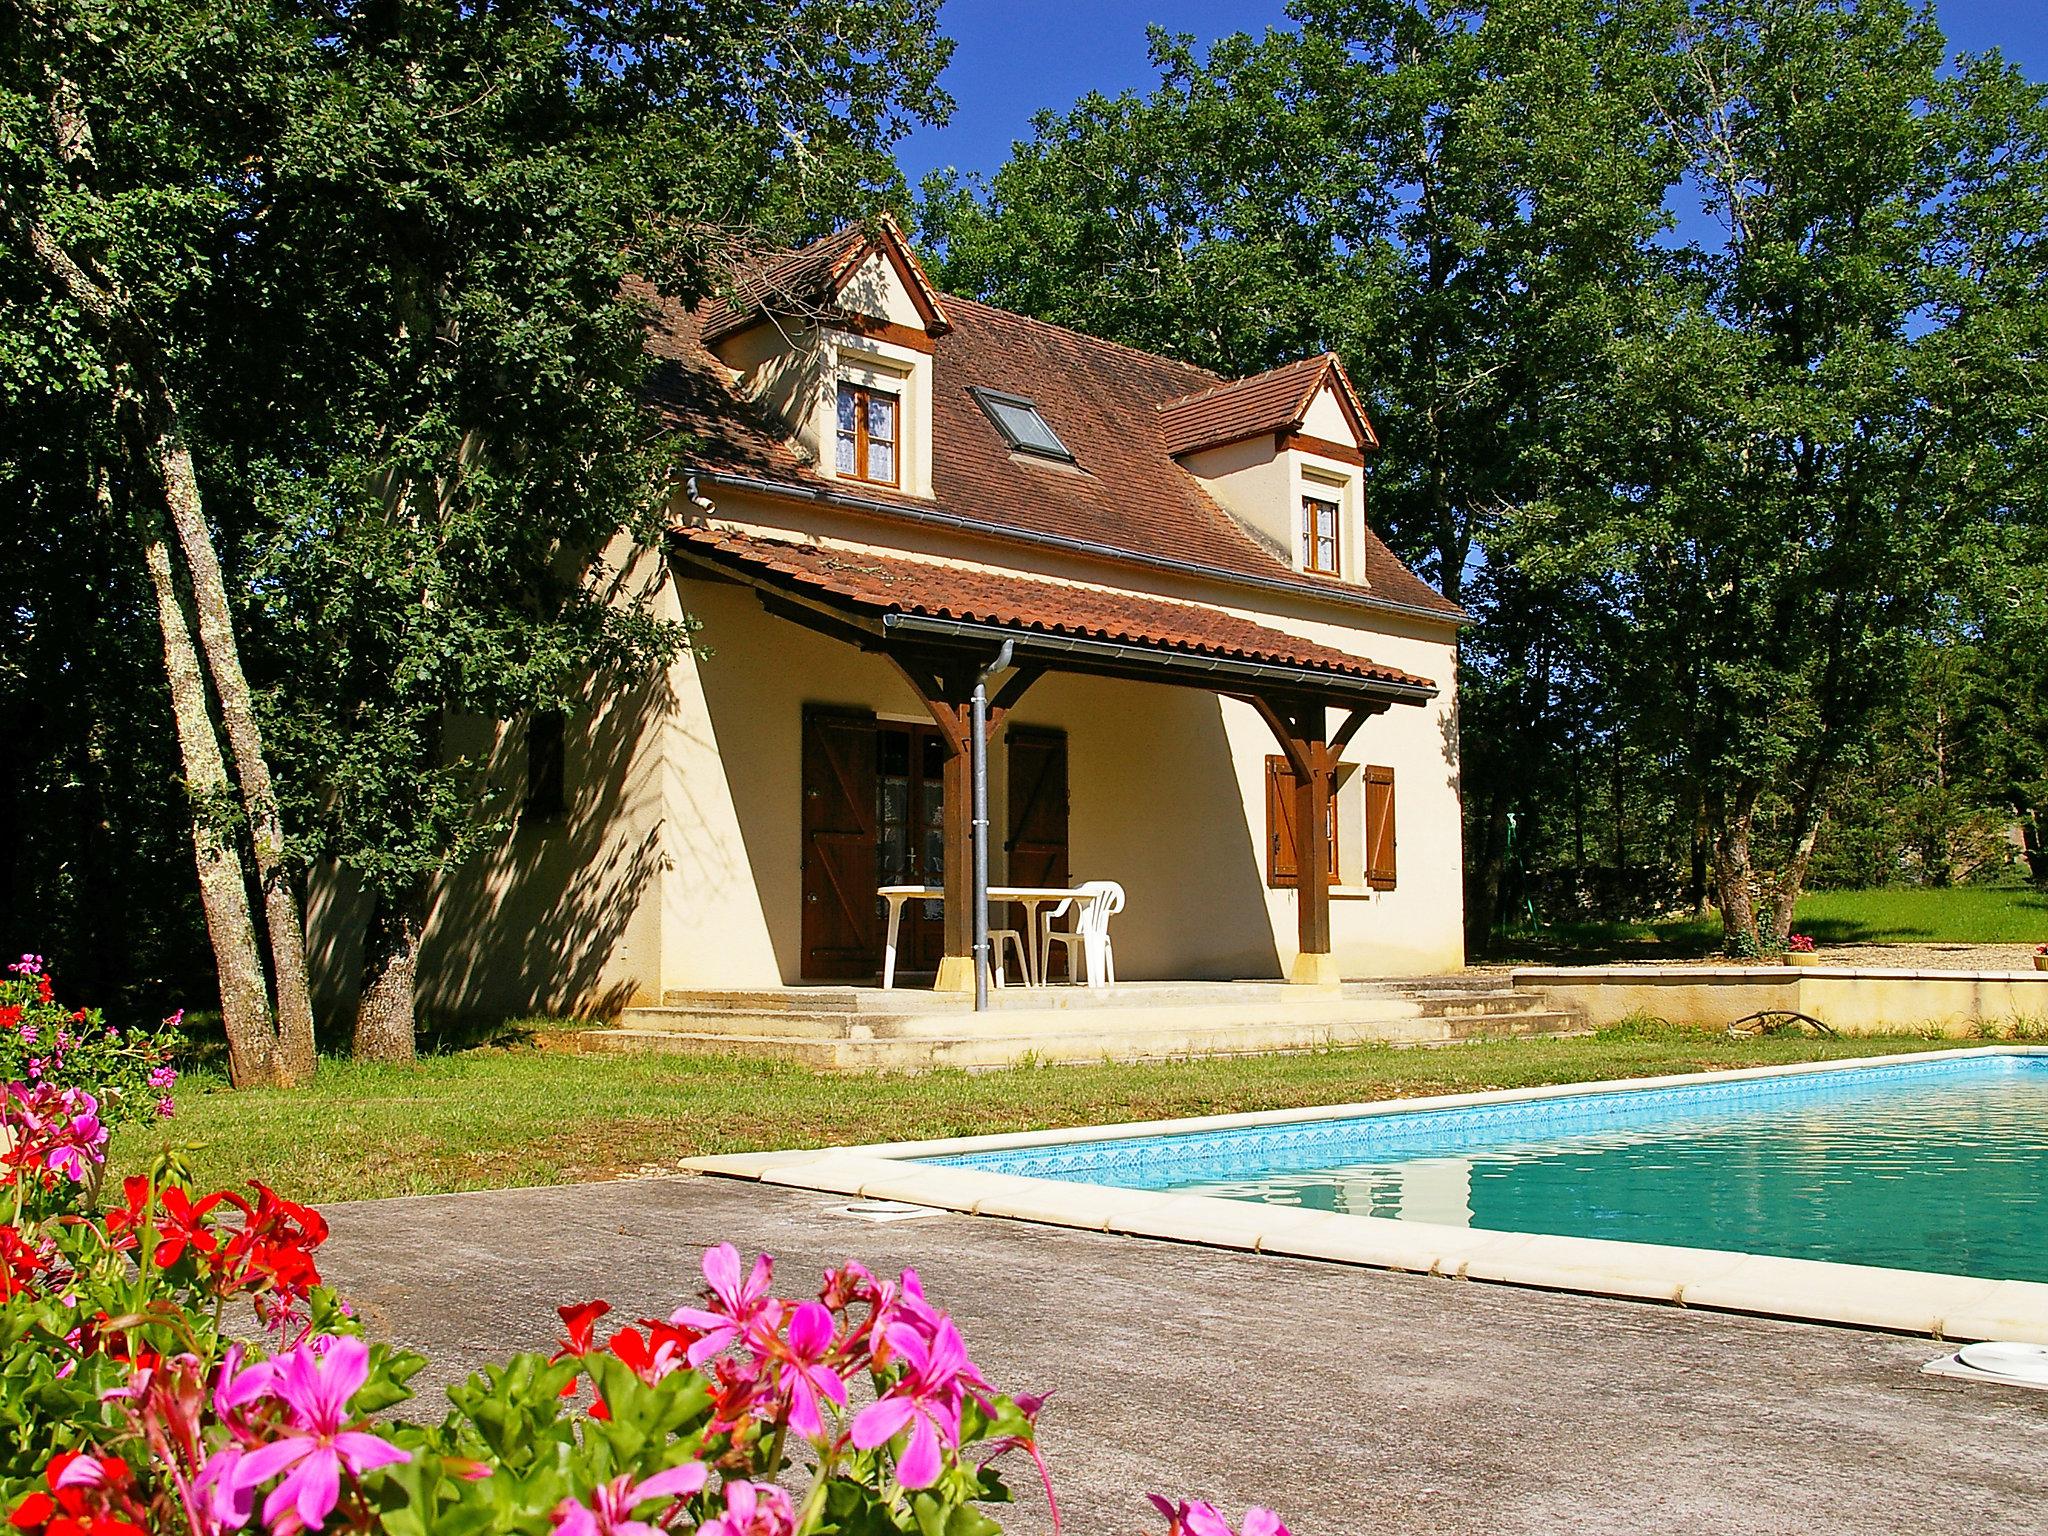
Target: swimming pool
(1932,1165)
(1894,1192)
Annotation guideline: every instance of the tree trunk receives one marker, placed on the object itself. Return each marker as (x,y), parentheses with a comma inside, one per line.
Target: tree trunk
(109,310)
(282,918)
(1785,899)
(1733,875)
(1697,877)
(1484,911)
(223,888)
(391,953)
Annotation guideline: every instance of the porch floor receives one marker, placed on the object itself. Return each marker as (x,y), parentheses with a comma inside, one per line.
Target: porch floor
(854,1028)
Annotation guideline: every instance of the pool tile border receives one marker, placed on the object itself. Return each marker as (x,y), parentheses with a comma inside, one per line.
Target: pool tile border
(1904,1301)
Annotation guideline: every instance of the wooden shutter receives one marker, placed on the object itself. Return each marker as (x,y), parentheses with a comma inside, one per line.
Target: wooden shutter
(1283,867)
(1037,844)
(841,930)
(1379,828)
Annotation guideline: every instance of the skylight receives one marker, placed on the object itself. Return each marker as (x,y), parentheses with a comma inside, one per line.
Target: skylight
(1021,425)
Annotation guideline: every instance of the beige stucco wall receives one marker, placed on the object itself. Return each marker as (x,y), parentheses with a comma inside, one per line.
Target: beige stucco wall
(1166,785)
(677,865)
(1261,485)
(556,916)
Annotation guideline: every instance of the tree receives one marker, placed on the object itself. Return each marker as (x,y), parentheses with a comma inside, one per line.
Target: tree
(1837,393)
(1460,199)
(435,495)
(74,225)
(382,253)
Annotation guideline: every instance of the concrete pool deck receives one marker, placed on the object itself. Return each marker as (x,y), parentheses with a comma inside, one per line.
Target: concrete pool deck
(1350,1399)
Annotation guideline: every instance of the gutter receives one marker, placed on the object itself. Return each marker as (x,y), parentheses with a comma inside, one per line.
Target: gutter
(1227,669)
(1067,545)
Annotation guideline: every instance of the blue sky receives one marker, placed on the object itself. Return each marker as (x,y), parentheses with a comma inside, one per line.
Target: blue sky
(1016,56)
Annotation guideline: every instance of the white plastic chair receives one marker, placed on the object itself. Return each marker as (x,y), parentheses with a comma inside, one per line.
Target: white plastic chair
(1093,904)
(1000,941)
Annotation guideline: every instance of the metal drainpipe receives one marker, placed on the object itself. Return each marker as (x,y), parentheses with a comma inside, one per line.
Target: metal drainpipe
(977,757)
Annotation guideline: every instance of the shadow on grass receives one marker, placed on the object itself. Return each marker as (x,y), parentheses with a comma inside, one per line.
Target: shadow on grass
(206,1044)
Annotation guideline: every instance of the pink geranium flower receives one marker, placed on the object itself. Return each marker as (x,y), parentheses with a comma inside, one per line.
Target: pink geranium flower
(739,1312)
(314,1382)
(611,1506)
(925,1399)
(752,1509)
(1195,1517)
(805,1375)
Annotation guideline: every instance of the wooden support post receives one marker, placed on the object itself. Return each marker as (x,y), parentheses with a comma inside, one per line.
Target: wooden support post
(1299,725)
(945,684)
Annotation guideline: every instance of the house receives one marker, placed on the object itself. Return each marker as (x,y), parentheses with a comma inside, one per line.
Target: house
(1211,652)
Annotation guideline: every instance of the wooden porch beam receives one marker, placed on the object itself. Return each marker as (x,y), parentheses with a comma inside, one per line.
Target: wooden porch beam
(1300,725)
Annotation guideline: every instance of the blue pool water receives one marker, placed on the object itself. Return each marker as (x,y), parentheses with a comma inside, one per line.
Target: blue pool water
(1938,1165)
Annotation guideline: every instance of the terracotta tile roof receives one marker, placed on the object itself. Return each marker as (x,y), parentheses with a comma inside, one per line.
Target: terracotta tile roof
(872,582)
(1127,493)
(810,276)
(1274,401)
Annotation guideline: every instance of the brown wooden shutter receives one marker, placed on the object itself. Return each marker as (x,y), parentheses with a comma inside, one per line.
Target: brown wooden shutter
(1037,844)
(1379,828)
(1283,864)
(841,928)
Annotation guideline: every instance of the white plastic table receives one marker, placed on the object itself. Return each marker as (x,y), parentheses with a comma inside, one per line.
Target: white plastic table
(1029,897)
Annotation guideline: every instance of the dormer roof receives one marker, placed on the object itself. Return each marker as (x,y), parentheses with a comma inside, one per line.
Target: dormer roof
(1276,401)
(812,278)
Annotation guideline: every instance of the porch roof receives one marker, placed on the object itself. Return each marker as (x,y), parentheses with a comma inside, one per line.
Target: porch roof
(1073,627)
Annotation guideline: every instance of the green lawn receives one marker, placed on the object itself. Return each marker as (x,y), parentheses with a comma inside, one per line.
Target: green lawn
(500,1116)
(1964,914)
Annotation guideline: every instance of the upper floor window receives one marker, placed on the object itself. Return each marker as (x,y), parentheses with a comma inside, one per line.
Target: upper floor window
(1319,548)
(867,434)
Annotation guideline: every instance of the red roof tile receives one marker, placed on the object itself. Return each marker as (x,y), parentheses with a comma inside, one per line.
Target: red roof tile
(873,582)
(1125,492)
(1273,401)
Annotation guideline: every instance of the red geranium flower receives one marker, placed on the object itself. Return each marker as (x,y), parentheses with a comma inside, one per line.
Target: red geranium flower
(273,1248)
(20,1263)
(89,1496)
(185,1226)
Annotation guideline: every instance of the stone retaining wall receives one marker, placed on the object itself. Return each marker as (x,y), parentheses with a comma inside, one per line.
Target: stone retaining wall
(1854,1000)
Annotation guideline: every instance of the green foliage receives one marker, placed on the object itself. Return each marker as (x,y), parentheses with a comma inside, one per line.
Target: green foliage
(383,252)
(1700,337)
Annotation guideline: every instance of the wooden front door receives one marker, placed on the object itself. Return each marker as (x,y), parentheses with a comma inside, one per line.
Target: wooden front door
(841,933)
(1037,837)
(874,815)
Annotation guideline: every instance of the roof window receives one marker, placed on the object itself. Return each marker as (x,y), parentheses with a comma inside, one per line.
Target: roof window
(1021,425)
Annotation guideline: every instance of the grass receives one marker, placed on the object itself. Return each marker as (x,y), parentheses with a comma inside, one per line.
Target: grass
(502,1116)
(1963,914)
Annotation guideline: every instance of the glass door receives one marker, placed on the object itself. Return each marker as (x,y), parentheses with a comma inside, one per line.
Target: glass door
(910,833)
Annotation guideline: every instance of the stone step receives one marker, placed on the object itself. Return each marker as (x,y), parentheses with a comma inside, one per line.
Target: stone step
(1047,1022)
(999,1042)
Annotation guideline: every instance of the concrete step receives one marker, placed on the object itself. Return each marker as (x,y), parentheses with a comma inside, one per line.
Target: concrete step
(839,1042)
(1020,1020)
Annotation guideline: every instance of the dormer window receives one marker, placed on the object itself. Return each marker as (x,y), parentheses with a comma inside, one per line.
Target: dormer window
(1319,540)
(867,434)
(1021,425)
